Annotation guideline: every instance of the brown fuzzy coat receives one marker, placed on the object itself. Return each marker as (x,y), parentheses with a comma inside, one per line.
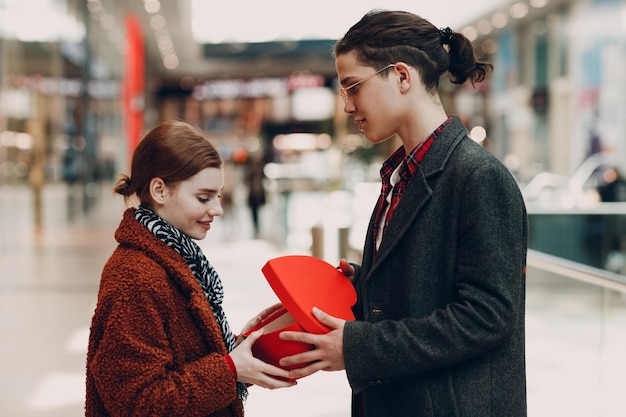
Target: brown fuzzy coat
(155,348)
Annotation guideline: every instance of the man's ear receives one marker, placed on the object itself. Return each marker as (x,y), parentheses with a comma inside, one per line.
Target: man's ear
(406,76)
(158,190)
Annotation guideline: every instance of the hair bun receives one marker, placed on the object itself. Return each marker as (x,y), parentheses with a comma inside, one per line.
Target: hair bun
(446,35)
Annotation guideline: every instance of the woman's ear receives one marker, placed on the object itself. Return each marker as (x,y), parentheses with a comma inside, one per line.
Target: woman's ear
(158,190)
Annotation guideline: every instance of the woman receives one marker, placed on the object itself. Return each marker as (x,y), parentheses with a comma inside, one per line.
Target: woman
(440,310)
(160,344)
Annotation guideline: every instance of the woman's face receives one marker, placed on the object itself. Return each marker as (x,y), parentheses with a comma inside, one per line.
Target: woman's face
(374,102)
(191,205)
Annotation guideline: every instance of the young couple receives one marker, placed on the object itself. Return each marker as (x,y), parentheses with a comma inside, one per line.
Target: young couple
(439,327)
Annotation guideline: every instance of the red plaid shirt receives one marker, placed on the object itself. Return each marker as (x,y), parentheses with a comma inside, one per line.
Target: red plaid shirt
(408,165)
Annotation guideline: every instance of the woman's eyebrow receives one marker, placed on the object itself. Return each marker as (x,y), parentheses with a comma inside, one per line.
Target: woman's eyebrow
(209,190)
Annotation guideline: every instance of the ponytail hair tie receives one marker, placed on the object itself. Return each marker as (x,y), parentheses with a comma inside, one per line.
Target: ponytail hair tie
(446,35)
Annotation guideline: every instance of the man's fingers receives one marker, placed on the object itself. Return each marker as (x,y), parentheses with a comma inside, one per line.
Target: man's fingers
(326,319)
(303,337)
(306,370)
(346,268)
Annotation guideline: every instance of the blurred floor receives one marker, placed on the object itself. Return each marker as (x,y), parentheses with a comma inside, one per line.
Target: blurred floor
(49,281)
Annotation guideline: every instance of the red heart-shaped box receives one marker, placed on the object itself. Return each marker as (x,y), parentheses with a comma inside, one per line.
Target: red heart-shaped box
(301,282)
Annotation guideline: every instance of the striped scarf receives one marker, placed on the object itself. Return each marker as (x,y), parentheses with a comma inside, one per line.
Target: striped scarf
(201,268)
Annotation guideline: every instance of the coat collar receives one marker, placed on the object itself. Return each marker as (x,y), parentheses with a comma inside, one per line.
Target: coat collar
(132,234)
(442,147)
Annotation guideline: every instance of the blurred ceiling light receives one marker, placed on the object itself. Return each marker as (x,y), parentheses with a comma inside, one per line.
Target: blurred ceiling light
(470,33)
(484,27)
(152,6)
(478,134)
(539,3)
(498,20)
(518,10)
(170,61)
(157,22)
(165,43)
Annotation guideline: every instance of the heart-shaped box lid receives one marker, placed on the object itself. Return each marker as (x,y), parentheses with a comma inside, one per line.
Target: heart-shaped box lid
(302,282)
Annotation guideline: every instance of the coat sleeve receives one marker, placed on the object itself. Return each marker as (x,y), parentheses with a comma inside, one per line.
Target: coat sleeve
(486,249)
(133,365)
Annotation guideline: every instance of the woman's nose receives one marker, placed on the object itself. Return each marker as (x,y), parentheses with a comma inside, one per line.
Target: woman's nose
(216,208)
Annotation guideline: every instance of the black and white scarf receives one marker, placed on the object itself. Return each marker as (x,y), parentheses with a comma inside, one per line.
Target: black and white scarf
(201,268)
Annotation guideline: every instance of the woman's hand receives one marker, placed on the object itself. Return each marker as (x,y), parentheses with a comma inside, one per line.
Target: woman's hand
(251,370)
(253,322)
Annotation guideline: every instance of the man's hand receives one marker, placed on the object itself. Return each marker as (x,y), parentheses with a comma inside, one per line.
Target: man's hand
(328,352)
(346,268)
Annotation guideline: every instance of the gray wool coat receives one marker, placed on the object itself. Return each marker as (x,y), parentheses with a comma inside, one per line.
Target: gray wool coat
(440,310)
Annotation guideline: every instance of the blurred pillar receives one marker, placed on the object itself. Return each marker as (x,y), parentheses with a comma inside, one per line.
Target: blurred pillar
(85,130)
(4,58)
(560,133)
(35,127)
(341,246)
(317,242)
(344,243)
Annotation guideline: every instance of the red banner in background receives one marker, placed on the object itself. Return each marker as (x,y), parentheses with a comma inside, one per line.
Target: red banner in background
(134,83)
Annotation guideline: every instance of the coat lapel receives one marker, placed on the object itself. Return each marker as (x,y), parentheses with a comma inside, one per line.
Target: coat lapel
(178,270)
(416,196)
(414,199)
(198,305)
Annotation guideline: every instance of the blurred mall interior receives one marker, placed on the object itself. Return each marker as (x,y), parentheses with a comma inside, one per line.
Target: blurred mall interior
(80,80)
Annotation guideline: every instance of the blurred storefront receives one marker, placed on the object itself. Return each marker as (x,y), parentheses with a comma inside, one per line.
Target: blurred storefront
(556,115)
(60,89)
(558,94)
(59,93)
(77,88)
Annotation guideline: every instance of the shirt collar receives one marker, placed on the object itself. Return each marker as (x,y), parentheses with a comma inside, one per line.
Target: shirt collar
(413,159)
